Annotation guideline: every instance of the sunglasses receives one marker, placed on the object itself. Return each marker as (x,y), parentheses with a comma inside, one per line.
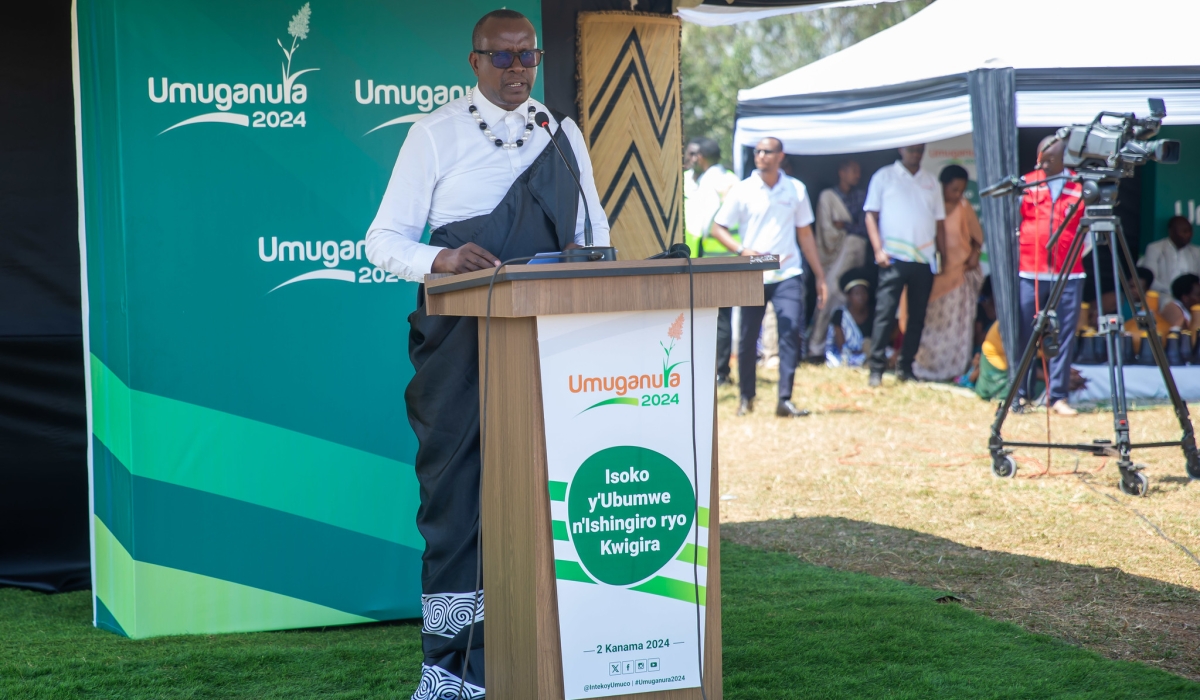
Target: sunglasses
(763,152)
(530,58)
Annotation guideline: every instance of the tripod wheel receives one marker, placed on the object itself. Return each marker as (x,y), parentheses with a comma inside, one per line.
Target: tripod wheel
(1134,484)
(1004,466)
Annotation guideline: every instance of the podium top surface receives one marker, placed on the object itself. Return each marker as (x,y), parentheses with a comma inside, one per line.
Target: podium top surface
(442,283)
(593,287)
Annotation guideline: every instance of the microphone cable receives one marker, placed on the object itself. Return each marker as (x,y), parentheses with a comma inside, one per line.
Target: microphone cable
(487,343)
(696,479)
(487,339)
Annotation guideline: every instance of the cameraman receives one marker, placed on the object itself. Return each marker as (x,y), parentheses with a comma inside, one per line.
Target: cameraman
(1043,209)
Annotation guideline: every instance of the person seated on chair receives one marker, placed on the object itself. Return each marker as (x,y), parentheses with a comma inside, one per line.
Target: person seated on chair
(1185,293)
(850,324)
(1172,256)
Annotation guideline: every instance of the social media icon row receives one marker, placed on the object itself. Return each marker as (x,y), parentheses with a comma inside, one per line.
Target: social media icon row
(618,668)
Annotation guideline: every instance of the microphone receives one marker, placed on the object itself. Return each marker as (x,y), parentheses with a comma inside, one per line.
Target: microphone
(679,250)
(595,252)
(1003,187)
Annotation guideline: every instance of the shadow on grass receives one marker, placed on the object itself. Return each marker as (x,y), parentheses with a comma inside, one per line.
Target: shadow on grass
(793,630)
(1104,609)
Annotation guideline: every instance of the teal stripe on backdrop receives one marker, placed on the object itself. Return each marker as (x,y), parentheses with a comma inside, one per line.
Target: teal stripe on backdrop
(112,485)
(224,538)
(105,619)
(232,456)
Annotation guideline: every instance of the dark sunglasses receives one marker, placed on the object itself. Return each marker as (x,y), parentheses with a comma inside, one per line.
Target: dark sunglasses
(530,58)
(763,152)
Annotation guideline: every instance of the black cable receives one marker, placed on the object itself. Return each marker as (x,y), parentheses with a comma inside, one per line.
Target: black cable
(696,478)
(487,342)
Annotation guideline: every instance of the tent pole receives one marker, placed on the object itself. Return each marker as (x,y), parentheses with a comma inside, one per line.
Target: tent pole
(994,124)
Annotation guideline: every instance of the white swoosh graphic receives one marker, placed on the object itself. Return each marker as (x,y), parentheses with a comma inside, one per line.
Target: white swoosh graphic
(406,119)
(343,275)
(218,117)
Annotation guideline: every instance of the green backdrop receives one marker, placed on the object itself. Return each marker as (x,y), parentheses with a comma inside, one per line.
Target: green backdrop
(1165,187)
(251,459)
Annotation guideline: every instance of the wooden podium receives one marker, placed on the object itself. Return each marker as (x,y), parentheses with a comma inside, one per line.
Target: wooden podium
(523,654)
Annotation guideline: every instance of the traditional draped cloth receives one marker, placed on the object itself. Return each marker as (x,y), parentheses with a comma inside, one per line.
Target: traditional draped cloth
(946,349)
(537,215)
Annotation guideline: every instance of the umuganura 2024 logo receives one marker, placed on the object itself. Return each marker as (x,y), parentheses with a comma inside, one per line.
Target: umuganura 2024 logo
(228,99)
(662,386)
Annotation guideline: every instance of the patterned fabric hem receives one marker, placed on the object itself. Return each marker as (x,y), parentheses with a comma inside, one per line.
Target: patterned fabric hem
(445,614)
(439,684)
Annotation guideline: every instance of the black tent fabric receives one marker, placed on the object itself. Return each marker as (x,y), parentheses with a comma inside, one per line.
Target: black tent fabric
(994,122)
(44,482)
(43,425)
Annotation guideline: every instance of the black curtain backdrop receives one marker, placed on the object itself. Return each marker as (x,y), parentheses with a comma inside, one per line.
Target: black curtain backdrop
(43,428)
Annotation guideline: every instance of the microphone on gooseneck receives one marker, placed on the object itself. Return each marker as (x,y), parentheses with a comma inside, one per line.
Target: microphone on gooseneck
(679,250)
(543,120)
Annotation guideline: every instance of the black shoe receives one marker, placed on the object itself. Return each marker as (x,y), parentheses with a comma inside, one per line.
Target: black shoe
(903,375)
(746,406)
(786,409)
(875,380)
(723,380)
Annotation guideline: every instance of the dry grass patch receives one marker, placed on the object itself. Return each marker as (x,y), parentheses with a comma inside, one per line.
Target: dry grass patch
(897,482)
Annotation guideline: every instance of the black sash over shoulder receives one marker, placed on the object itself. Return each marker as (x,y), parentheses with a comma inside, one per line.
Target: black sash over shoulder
(537,215)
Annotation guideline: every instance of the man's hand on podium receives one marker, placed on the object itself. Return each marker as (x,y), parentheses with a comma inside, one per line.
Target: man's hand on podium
(467,258)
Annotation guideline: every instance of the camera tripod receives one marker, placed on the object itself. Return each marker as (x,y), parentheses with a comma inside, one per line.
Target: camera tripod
(1099,222)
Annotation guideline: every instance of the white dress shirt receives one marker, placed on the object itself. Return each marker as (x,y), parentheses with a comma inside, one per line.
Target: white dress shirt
(767,218)
(448,171)
(1167,263)
(705,197)
(909,207)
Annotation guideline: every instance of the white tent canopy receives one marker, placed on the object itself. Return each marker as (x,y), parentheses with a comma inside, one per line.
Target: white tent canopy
(717,15)
(908,84)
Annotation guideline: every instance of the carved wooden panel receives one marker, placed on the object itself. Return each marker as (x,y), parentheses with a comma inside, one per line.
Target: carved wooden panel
(630,116)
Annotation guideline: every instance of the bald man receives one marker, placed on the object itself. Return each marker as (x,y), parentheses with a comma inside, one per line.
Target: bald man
(1043,209)
(490,187)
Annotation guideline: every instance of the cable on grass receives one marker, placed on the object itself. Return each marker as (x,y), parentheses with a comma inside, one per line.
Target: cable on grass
(1146,520)
(1046,470)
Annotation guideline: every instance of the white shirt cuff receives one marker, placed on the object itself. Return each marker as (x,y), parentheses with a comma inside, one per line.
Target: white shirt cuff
(422,259)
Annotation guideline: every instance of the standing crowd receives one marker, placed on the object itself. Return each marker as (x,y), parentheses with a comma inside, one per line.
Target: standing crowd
(895,267)
(897,275)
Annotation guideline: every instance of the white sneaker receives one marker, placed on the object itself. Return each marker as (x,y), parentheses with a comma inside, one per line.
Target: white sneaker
(1062,408)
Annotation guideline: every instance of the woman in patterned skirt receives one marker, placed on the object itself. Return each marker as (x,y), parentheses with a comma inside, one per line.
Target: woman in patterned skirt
(946,348)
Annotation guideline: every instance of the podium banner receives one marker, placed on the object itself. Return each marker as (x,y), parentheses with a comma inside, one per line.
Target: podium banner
(618,401)
(251,458)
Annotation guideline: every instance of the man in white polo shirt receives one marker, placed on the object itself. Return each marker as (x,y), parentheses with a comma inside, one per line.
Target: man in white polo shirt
(775,217)
(905,217)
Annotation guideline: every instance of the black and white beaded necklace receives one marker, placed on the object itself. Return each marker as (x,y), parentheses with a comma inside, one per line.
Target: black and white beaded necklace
(488,132)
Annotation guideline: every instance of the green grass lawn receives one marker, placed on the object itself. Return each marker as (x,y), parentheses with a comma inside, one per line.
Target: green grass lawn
(792,630)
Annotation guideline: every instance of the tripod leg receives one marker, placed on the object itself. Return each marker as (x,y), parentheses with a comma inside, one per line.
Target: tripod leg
(1188,442)
(1131,482)
(1002,464)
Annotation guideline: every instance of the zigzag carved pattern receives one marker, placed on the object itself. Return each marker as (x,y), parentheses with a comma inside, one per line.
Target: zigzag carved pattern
(631,121)
(639,72)
(657,216)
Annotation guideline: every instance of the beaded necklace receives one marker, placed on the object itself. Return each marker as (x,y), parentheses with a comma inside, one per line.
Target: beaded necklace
(488,132)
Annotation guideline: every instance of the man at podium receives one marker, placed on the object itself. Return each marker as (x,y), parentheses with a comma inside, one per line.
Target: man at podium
(491,187)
